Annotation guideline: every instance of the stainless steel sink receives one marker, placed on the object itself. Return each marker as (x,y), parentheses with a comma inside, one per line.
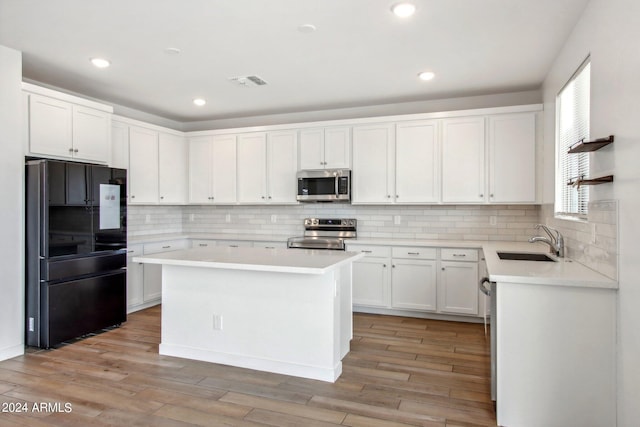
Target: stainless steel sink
(525,256)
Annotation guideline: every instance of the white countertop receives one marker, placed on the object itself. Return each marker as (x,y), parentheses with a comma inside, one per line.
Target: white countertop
(257,259)
(563,272)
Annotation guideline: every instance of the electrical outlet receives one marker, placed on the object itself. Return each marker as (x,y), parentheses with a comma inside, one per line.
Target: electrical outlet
(227,218)
(217,322)
(147,219)
(274,218)
(192,217)
(397,219)
(493,220)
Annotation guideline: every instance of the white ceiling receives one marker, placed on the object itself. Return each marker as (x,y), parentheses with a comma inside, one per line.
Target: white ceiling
(360,55)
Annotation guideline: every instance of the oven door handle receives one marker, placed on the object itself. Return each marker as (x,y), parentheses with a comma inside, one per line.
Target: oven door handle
(483,288)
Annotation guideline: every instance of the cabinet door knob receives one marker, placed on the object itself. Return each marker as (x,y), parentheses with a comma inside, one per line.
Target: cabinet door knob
(75,150)
(384,265)
(482,195)
(161,197)
(133,197)
(388,196)
(71,150)
(442,268)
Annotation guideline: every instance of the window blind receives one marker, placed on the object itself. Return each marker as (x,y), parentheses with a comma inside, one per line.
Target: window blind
(572,125)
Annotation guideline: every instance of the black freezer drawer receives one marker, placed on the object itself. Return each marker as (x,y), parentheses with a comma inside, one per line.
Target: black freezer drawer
(59,269)
(78,307)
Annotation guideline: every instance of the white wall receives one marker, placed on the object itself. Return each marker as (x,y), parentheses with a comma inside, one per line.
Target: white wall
(11,212)
(609,30)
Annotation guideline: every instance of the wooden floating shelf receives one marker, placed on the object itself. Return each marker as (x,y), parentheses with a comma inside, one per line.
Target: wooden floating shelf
(583,146)
(590,181)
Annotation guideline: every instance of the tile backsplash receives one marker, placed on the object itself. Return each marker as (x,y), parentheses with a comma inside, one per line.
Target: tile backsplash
(459,222)
(594,242)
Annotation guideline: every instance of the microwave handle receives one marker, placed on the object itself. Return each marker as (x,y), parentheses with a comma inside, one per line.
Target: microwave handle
(336,185)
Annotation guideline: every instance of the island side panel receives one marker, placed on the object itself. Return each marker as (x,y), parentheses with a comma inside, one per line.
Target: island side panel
(345,277)
(276,322)
(556,355)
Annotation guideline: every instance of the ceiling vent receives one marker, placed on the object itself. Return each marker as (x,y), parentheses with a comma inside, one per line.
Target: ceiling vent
(247,81)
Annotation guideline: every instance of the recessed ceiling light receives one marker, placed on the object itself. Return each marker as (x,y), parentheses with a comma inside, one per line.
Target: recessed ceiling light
(426,75)
(306,28)
(100,62)
(199,101)
(403,10)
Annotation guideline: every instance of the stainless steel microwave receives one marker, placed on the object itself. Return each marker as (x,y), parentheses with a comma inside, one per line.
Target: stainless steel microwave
(324,185)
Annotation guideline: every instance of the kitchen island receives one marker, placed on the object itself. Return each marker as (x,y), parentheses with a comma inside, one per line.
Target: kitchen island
(276,310)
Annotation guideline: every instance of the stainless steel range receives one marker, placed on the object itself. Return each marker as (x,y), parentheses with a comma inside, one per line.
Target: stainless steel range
(324,233)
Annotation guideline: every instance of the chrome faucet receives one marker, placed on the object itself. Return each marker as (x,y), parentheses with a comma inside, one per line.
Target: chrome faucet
(555,240)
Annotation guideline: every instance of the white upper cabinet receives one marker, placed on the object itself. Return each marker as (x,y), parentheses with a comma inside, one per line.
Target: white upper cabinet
(172,169)
(119,145)
(200,175)
(267,165)
(373,164)
(91,138)
(252,168)
(223,169)
(417,172)
(463,160)
(282,165)
(325,148)
(157,167)
(212,169)
(512,158)
(50,128)
(61,129)
(396,167)
(143,166)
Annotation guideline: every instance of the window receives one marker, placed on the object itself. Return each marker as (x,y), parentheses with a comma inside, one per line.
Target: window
(572,124)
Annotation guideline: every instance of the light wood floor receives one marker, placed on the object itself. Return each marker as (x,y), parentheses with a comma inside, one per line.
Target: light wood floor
(400,371)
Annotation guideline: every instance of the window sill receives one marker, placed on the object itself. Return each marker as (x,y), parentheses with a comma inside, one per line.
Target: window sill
(572,218)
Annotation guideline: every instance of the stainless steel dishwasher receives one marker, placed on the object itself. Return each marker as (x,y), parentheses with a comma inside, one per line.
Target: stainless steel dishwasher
(490,291)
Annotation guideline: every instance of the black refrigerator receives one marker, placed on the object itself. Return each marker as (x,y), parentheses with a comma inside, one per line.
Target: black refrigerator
(76,238)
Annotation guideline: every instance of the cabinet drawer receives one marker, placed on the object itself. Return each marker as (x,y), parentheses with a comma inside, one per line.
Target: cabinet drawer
(199,243)
(371,250)
(234,243)
(135,250)
(450,254)
(171,245)
(413,252)
(270,245)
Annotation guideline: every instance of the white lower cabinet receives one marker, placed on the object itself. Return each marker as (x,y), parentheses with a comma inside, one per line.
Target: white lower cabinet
(413,284)
(415,279)
(458,281)
(135,277)
(371,276)
(144,281)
